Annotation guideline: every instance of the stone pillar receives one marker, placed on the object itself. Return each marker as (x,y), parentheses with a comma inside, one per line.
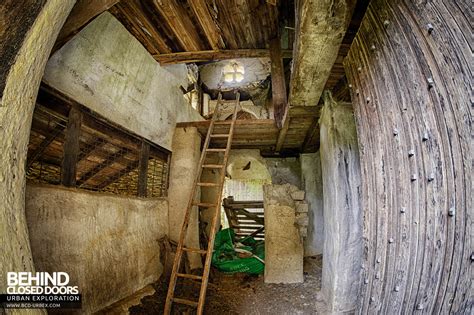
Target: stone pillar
(183,168)
(26,44)
(342,253)
(283,243)
(313,185)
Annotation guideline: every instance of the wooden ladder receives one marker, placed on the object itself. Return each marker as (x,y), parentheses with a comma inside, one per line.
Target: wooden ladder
(170,298)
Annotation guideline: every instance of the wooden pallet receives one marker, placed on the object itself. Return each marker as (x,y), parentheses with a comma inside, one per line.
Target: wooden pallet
(206,151)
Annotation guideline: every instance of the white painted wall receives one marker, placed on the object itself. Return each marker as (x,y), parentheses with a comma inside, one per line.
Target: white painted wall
(106,69)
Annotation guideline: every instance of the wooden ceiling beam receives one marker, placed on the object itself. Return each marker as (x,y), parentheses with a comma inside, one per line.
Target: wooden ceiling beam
(280,104)
(83,12)
(175,15)
(209,26)
(214,55)
(316,47)
(140,25)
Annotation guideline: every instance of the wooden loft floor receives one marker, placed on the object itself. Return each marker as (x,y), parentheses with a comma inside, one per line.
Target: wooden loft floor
(263,134)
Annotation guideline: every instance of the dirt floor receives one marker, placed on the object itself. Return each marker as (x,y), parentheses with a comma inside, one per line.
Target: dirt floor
(243,294)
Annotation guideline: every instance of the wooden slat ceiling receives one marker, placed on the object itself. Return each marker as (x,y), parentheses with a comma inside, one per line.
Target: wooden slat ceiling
(166,26)
(263,133)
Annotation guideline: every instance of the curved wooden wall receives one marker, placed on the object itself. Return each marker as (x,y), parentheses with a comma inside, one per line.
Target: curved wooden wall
(409,70)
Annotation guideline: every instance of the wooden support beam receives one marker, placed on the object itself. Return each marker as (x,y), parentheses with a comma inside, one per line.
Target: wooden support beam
(58,104)
(209,26)
(44,145)
(83,12)
(312,132)
(213,55)
(175,15)
(143,169)
(108,160)
(282,133)
(71,147)
(280,105)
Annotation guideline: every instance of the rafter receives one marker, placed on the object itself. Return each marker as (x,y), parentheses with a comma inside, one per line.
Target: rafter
(108,160)
(209,26)
(175,15)
(83,12)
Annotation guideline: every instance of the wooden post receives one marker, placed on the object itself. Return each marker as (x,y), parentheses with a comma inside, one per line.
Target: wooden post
(143,169)
(71,147)
(278,82)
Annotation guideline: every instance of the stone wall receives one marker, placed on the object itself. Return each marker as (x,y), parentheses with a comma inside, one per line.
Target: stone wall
(312,183)
(106,69)
(283,239)
(107,244)
(342,252)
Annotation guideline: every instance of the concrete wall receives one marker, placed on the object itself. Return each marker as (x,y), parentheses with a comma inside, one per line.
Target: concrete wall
(312,183)
(343,246)
(108,244)
(106,69)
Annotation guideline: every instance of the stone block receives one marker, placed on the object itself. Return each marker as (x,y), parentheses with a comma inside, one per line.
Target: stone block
(298,195)
(301,206)
(303,231)
(302,219)
(283,243)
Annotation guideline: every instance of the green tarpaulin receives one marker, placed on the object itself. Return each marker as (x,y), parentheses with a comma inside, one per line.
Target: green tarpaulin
(226,258)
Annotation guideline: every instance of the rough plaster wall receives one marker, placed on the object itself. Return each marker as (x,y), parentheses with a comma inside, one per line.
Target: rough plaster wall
(410,67)
(107,244)
(311,177)
(16,109)
(105,68)
(226,110)
(285,171)
(183,170)
(245,181)
(342,253)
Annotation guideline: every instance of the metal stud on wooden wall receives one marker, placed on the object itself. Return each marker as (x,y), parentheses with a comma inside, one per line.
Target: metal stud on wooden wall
(430,28)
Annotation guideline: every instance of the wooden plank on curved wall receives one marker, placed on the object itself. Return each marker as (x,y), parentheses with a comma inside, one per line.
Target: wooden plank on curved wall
(410,72)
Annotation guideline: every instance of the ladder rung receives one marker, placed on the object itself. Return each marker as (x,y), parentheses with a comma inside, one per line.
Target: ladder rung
(186,302)
(186,275)
(204,204)
(216,150)
(213,166)
(194,250)
(208,184)
(220,135)
(223,122)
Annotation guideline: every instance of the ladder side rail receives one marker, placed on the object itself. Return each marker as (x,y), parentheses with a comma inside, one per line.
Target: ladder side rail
(182,237)
(210,247)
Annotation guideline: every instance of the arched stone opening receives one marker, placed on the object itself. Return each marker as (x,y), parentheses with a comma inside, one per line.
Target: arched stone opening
(21,86)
